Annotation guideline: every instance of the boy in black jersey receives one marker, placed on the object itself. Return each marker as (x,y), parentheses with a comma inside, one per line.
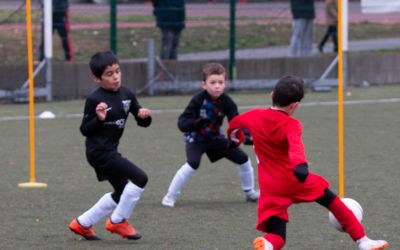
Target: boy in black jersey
(105,114)
(201,123)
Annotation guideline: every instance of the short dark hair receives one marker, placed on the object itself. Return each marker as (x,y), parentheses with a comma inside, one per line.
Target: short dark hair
(213,69)
(289,89)
(99,62)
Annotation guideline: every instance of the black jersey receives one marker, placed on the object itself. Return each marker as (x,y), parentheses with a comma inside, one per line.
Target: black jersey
(202,105)
(105,135)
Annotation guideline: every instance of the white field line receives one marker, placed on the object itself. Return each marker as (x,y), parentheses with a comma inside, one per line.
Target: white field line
(161,111)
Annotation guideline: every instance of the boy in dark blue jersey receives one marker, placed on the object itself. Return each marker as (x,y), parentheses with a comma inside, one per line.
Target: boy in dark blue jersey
(105,115)
(201,123)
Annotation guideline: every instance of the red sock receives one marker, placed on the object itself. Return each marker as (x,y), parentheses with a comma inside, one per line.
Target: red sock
(277,241)
(347,219)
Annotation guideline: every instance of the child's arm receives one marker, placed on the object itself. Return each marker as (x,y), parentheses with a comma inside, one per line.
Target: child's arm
(231,112)
(190,120)
(90,122)
(235,132)
(230,108)
(296,151)
(101,111)
(142,115)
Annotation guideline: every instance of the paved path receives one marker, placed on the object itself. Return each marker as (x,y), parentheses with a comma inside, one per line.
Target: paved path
(282,51)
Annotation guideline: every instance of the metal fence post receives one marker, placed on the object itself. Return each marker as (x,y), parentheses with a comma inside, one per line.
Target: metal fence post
(150,66)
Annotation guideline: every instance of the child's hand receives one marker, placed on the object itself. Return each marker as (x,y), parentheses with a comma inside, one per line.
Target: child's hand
(248,139)
(200,122)
(101,111)
(144,113)
(235,137)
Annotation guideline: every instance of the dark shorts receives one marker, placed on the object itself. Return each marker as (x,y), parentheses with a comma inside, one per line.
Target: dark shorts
(215,150)
(110,165)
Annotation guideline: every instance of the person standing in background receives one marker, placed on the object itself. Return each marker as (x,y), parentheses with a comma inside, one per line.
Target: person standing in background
(331,21)
(303,12)
(61,24)
(170,19)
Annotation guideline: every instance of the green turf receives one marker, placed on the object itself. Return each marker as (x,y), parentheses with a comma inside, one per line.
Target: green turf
(211,214)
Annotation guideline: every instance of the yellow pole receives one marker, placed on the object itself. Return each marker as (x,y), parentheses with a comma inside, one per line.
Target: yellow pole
(32,178)
(340,100)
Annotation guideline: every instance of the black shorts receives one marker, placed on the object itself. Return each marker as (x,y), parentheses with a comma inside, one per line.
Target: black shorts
(110,165)
(215,150)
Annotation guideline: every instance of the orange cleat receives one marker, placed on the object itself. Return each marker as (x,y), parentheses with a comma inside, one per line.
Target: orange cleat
(123,229)
(85,232)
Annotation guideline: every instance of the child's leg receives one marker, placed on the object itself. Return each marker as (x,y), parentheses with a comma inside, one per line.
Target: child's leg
(181,177)
(129,178)
(275,237)
(194,152)
(127,203)
(349,222)
(83,224)
(118,223)
(245,172)
(101,209)
(343,214)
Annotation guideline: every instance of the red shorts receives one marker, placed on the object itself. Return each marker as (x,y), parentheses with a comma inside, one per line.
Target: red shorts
(277,197)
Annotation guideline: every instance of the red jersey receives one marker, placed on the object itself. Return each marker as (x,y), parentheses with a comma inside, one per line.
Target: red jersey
(279,148)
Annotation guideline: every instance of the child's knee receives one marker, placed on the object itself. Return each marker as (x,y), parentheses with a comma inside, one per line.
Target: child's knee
(194,164)
(140,179)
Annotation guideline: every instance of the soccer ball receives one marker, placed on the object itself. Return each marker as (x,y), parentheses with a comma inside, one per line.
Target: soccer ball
(354,206)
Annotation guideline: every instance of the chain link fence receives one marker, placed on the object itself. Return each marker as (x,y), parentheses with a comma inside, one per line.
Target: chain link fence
(263,32)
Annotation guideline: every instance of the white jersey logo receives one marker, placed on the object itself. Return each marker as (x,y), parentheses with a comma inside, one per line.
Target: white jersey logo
(119,123)
(127,105)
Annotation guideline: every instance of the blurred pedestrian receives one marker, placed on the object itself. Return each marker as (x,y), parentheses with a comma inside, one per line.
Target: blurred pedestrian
(303,12)
(61,24)
(170,18)
(331,21)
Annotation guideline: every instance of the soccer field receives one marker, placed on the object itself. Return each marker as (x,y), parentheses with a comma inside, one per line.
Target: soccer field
(211,214)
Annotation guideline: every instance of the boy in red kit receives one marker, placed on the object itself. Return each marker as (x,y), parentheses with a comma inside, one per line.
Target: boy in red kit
(283,174)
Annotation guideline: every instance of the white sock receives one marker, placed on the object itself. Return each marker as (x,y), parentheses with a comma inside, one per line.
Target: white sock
(362,239)
(127,202)
(246,175)
(104,206)
(180,179)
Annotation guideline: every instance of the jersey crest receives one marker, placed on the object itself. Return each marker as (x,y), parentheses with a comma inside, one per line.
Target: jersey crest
(127,105)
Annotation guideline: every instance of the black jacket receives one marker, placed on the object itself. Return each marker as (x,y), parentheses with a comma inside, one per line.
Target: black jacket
(302,9)
(60,5)
(170,14)
(213,112)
